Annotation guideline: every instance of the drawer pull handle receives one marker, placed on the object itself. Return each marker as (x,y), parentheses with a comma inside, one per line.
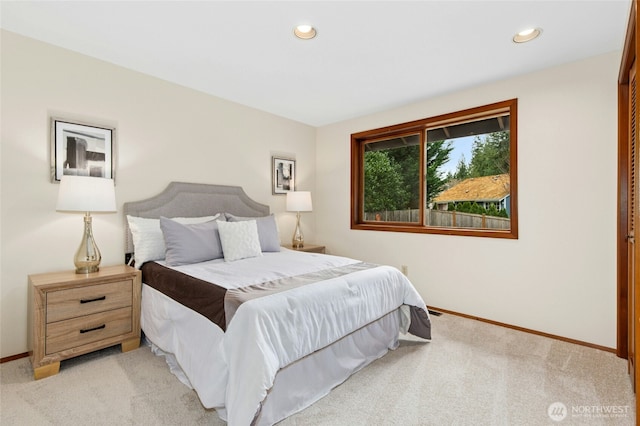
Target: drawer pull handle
(86,330)
(93,300)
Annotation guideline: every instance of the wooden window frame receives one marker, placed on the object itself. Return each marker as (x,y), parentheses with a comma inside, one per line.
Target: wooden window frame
(360,139)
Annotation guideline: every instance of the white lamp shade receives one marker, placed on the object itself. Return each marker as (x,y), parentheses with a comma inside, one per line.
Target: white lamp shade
(299,201)
(86,194)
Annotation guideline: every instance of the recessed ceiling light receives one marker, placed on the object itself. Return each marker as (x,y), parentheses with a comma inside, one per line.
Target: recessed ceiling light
(527,35)
(305,32)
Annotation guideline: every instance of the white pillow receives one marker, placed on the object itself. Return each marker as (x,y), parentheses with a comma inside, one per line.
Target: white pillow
(148,241)
(239,239)
(267,230)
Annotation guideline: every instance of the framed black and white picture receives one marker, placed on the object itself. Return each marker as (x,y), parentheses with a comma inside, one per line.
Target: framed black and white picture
(81,149)
(283,175)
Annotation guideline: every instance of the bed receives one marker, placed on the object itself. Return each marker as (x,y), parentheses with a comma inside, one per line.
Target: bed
(258,331)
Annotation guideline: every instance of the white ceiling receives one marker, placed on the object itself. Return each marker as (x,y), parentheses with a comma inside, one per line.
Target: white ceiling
(368,56)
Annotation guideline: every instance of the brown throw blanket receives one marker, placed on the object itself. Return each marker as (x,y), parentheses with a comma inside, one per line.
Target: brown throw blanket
(201,296)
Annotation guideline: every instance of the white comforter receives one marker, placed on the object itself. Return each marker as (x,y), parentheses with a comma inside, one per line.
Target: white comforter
(269,333)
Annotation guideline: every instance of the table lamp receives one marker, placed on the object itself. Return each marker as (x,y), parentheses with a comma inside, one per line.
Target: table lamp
(298,201)
(86,194)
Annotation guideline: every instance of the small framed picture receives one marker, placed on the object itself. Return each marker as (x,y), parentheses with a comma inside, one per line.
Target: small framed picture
(81,149)
(283,175)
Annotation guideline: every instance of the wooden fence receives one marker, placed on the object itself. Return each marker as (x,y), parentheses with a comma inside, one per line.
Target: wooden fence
(442,218)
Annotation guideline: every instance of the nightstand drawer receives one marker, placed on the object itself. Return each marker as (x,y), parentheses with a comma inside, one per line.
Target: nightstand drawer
(81,301)
(72,333)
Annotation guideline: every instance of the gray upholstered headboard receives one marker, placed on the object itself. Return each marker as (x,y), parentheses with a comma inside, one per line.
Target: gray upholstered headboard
(182,199)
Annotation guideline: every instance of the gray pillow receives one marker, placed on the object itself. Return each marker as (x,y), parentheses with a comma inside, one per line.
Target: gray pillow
(267,230)
(190,243)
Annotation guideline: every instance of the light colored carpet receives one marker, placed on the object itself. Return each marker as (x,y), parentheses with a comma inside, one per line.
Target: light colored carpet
(472,373)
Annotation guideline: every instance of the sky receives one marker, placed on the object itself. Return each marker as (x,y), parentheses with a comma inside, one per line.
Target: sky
(461,146)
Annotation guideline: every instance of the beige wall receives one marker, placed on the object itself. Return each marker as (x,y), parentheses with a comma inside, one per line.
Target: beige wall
(559,277)
(165,132)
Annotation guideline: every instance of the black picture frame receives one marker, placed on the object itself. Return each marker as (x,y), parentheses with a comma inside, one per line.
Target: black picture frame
(283,175)
(81,149)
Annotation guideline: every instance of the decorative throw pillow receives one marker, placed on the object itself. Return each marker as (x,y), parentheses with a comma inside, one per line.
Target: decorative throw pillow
(192,243)
(267,230)
(148,242)
(239,240)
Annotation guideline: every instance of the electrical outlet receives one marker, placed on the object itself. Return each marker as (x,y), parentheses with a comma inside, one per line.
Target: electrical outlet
(405,270)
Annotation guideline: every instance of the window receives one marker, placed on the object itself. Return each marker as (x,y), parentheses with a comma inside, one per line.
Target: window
(454,174)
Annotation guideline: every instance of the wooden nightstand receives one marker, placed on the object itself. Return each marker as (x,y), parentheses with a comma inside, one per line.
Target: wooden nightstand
(310,248)
(74,314)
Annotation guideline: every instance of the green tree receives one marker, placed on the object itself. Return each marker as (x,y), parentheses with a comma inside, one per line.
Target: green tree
(464,207)
(477,208)
(408,160)
(492,210)
(383,185)
(438,153)
(462,170)
(392,176)
(490,155)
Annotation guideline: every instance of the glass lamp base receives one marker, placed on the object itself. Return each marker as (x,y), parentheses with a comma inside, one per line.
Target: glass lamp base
(87,258)
(87,269)
(298,240)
